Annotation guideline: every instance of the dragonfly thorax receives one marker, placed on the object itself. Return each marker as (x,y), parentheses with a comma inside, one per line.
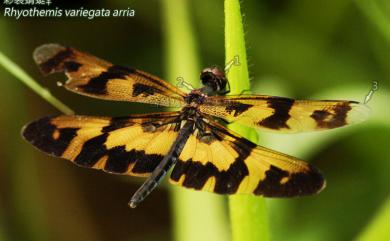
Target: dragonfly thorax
(190,113)
(195,97)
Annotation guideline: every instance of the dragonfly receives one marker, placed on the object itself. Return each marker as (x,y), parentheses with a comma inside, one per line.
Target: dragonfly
(193,141)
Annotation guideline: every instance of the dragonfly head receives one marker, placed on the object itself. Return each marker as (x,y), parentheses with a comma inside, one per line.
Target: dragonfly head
(213,80)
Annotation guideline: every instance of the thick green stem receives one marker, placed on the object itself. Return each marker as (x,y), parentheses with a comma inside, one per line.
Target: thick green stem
(248,213)
(378,228)
(196,215)
(21,75)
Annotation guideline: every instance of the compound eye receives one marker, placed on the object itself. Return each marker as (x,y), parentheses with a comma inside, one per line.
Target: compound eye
(207,77)
(213,78)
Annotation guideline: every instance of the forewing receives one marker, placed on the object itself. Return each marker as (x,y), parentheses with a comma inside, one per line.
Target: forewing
(88,75)
(226,163)
(132,145)
(284,114)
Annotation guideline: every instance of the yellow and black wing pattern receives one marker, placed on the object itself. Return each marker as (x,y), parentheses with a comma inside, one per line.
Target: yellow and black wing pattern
(91,76)
(132,145)
(222,162)
(284,114)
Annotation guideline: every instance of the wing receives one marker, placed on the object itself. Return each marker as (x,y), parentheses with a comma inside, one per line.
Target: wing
(88,75)
(284,114)
(225,163)
(132,145)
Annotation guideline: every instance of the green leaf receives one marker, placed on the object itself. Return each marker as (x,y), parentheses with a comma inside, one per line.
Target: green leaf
(378,229)
(377,11)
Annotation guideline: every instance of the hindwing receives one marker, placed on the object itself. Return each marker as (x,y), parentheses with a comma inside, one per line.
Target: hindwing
(225,163)
(132,145)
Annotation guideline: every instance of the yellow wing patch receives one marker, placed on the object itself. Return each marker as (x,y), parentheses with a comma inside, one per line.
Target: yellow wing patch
(91,76)
(284,114)
(128,145)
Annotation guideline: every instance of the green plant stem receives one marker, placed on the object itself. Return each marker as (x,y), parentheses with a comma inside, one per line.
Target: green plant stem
(247,213)
(196,215)
(20,74)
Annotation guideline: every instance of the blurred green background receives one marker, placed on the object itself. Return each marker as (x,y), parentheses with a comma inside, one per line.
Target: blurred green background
(301,49)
